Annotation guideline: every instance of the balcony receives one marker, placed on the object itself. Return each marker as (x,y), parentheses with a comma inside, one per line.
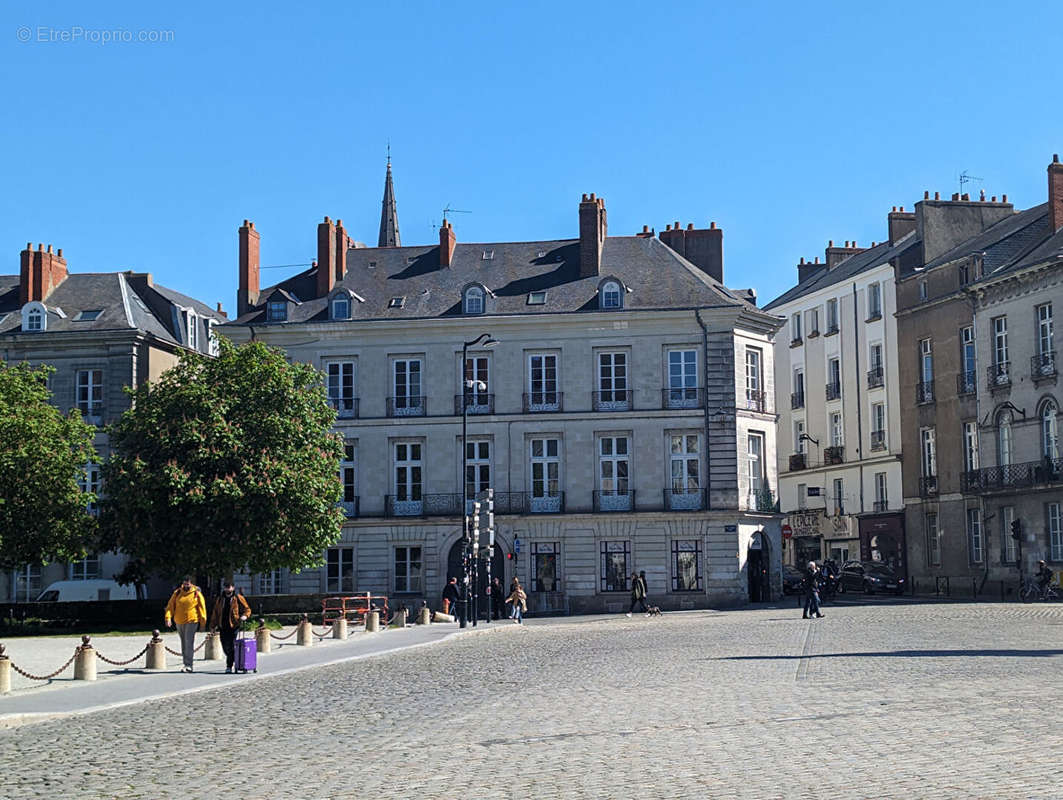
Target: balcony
(966,383)
(880,506)
(797,400)
(834,455)
(1043,365)
(834,391)
(1014,476)
(683,397)
(876,377)
(999,375)
(797,342)
(756,401)
(426,505)
(611,400)
(831,329)
(878,440)
(543,504)
(477,403)
(763,500)
(924,393)
(928,486)
(798,461)
(542,402)
(350,507)
(408,406)
(679,499)
(606,500)
(346,407)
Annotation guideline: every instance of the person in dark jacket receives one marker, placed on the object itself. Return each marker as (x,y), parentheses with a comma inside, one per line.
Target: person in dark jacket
(230,611)
(811,587)
(451,597)
(498,599)
(638,594)
(1043,575)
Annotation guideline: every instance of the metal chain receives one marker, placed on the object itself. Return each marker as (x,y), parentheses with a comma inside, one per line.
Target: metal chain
(194,649)
(286,636)
(328,629)
(102,657)
(24,674)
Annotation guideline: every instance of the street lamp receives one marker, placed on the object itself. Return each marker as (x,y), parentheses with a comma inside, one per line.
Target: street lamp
(467,384)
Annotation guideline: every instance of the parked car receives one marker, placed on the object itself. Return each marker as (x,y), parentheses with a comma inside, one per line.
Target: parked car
(870,577)
(66,591)
(792,578)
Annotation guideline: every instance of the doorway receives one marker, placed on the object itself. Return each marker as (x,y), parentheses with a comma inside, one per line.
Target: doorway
(758,569)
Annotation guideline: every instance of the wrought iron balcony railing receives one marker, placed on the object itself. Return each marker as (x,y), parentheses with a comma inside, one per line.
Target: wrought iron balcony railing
(423,505)
(966,382)
(1043,365)
(475,403)
(350,508)
(763,500)
(928,485)
(408,406)
(797,400)
(1010,477)
(543,401)
(878,440)
(834,391)
(756,401)
(834,455)
(346,407)
(683,397)
(680,499)
(999,375)
(611,400)
(876,377)
(924,393)
(798,461)
(613,500)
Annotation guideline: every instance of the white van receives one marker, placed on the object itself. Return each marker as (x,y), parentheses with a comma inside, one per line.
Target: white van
(66,591)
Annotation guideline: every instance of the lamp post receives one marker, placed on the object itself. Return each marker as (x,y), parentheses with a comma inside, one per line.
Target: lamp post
(468,554)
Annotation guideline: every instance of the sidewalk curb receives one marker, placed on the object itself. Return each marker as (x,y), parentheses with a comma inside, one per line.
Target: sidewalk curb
(8,721)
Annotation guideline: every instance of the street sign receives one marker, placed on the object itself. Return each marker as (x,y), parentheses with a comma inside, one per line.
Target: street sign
(787,531)
(813,491)
(516,545)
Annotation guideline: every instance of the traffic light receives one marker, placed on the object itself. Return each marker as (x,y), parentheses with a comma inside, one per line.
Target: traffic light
(1016,529)
(509,556)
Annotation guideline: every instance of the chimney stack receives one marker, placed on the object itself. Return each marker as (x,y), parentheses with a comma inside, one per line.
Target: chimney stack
(1055,194)
(40,271)
(833,256)
(326,257)
(592,232)
(447,242)
(806,269)
(702,247)
(899,224)
(343,241)
(247,296)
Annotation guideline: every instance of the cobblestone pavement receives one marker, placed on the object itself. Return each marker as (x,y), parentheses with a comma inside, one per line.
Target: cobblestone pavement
(871,701)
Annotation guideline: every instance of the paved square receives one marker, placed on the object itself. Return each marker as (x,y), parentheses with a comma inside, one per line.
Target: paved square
(871,701)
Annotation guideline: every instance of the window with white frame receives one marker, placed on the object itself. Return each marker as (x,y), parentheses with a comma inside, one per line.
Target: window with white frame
(1009,548)
(615,560)
(1004,440)
(838,489)
(477,466)
(685,461)
(409,570)
(611,295)
(798,399)
(970,446)
(874,300)
(408,468)
(875,357)
(974,535)
(1055,532)
(90,482)
(755,462)
(477,381)
(276,311)
(878,426)
(1050,429)
(812,321)
(682,377)
(834,378)
(545,574)
(1044,332)
(933,539)
(474,300)
(686,565)
(799,436)
(341,307)
(926,361)
(35,319)
(967,357)
(90,393)
(545,474)
(542,381)
(832,315)
(271,582)
(340,377)
(407,382)
(754,381)
(837,430)
(87,569)
(339,569)
(193,330)
(795,327)
(613,465)
(1000,343)
(882,493)
(928,452)
(26,586)
(349,473)
(213,348)
(612,379)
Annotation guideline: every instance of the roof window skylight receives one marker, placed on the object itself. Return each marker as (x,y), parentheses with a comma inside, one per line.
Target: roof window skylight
(537,298)
(396,302)
(489,255)
(88,315)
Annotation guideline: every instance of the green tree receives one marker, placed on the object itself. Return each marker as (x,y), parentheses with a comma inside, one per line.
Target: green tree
(43,511)
(225,464)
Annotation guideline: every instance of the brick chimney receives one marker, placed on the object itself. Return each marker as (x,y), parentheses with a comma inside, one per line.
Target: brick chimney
(326,257)
(343,242)
(836,255)
(806,269)
(1055,193)
(247,296)
(447,242)
(592,231)
(900,223)
(702,247)
(40,271)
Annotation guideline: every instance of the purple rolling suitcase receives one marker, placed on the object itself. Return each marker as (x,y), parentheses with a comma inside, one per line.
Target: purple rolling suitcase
(246,655)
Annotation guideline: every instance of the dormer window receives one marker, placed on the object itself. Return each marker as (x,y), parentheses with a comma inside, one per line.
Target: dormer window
(610,295)
(341,307)
(34,317)
(474,300)
(193,331)
(276,311)
(212,338)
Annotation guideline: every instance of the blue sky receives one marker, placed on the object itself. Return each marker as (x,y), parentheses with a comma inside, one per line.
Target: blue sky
(787,124)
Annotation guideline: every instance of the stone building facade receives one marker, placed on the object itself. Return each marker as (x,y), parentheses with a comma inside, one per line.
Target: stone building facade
(614,419)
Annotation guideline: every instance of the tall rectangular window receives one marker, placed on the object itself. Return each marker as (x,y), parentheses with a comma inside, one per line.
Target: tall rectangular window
(1000,341)
(795,327)
(812,320)
(1046,361)
(974,535)
(408,397)
(340,375)
(755,462)
(875,357)
(542,382)
(612,380)
(614,567)
(477,384)
(967,377)
(408,466)
(797,399)
(1009,550)
(348,473)
(339,569)
(878,426)
(834,378)
(477,467)
(409,572)
(613,465)
(799,436)
(970,446)
(837,430)
(682,377)
(91,482)
(1055,532)
(685,460)
(213,348)
(686,565)
(928,452)
(90,393)
(545,575)
(832,315)
(933,540)
(882,492)
(193,331)
(545,474)
(838,487)
(874,301)
(27,584)
(754,383)
(926,361)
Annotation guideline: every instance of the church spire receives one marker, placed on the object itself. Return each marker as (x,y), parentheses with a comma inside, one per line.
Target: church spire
(389,215)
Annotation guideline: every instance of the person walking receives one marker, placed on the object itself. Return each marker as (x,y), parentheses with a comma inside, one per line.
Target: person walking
(451,596)
(498,598)
(188,610)
(230,610)
(520,602)
(638,593)
(812,578)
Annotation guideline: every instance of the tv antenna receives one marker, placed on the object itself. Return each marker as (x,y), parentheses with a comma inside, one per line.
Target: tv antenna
(965,178)
(449,210)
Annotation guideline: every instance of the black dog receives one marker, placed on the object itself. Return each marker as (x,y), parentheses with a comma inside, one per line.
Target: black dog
(654,611)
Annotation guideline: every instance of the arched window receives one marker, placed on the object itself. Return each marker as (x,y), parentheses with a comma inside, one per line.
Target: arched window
(1004,438)
(341,307)
(610,295)
(1050,430)
(34,317)
(474,300)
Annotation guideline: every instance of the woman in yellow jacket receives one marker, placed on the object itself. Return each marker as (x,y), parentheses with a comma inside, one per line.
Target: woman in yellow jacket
(188,610)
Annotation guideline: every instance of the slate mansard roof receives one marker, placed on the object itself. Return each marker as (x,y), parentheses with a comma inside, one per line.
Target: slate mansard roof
(126,302)
(653,276)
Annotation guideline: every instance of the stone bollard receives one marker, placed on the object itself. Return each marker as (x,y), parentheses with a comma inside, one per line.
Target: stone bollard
(305,637)
(156,652)
(85,663)
(372,622)
(339,629)
(5,672)
(212,649)
(424,616)
(400,618)
(262,640)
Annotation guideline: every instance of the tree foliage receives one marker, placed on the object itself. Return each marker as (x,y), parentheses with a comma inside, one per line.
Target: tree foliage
(43,511)
(225,464)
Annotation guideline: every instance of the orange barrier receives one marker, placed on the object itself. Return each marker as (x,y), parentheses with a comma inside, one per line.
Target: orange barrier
(353,608)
